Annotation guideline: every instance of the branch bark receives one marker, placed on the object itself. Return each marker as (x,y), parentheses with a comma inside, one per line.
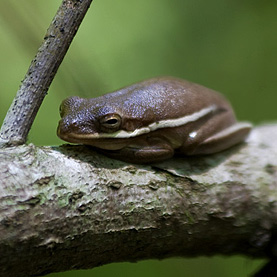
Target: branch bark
(64,208)
(41,72)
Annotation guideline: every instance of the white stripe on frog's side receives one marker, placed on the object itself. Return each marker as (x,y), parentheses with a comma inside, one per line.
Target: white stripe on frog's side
(169,123)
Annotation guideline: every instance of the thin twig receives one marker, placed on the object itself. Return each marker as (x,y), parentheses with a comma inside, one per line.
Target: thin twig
(41,72)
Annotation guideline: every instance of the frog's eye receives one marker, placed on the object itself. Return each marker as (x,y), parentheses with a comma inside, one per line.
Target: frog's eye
(110,123)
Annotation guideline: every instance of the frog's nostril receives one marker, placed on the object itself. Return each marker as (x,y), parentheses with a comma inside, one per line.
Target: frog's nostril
(74,123)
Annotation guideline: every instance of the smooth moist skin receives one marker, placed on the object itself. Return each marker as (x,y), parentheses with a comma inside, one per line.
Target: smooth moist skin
(149,121)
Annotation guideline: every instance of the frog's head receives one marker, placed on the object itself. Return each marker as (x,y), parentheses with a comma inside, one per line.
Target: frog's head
(86,122)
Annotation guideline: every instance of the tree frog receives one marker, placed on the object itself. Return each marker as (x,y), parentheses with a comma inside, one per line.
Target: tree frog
(149,121)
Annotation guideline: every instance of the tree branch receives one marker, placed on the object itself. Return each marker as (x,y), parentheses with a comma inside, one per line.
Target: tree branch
(67,207)
(41,72)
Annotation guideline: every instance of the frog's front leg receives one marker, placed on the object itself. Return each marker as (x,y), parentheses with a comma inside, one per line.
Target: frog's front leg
(150,150)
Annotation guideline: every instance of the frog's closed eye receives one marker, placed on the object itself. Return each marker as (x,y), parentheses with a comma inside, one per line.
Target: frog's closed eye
(110,123)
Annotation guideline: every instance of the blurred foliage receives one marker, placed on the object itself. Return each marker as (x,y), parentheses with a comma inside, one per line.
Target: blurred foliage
(227,45)
(200,267)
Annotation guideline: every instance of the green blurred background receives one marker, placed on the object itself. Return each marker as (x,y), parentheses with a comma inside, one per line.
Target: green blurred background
(227,45)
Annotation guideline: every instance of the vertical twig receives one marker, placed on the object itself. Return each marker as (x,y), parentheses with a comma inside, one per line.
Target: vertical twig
(41,72)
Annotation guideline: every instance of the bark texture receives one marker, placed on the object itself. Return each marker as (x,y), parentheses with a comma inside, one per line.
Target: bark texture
(68,207)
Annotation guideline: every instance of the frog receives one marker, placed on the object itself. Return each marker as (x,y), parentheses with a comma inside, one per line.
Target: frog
(152,120)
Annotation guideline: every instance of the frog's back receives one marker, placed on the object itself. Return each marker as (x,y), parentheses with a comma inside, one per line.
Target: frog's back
(166,97)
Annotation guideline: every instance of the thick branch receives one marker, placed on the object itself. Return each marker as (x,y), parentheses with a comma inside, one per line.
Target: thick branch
(69,208)
(42,70)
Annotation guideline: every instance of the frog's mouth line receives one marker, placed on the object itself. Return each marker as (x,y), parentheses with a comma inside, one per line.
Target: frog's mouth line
(169,123)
